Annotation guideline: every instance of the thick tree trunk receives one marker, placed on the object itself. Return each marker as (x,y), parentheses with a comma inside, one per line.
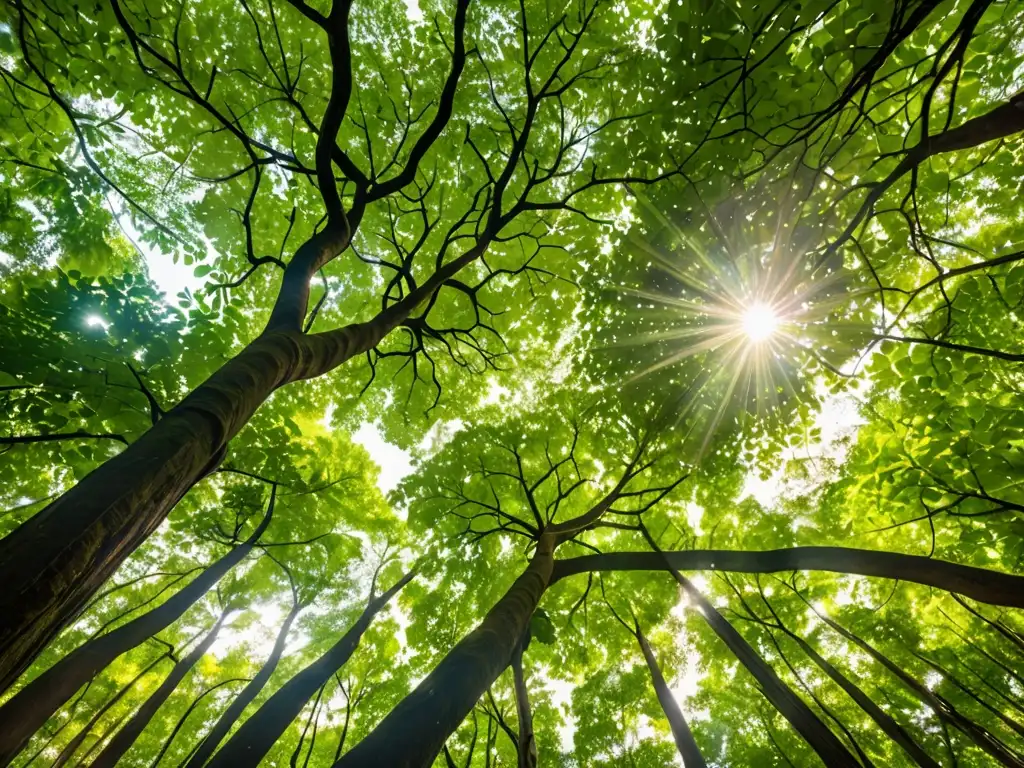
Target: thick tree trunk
(688,749)
(942,708)
(980,584)
(250,743)
(53,563)
(527,744)
(26,712)
(72,746)
(68,720)
(412,734)
(227,720)
(126,736)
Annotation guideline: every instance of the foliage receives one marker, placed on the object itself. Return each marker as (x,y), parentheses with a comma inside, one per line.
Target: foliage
(563,216)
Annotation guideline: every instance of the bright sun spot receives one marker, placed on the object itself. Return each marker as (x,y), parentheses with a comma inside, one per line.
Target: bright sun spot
(94,321)
(759,321)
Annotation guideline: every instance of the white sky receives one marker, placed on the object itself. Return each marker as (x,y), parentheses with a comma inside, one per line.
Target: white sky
(394,462)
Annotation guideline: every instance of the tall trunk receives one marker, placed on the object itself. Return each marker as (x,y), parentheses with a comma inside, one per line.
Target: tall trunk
(26,712)
(688,749)
(884,721)
(185,715)
(227,720)
(1008,721)
(250,743)
(102,738)
(792,707)
(126,737)
(1016,641)
(980,584)
(527,744)
(942,708)
(865,760)
(72,746)
(55,562)
(1014,704)
(312,720)
(412,734)
(68,719)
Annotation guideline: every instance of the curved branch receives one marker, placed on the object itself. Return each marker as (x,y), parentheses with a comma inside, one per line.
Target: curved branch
(981,584)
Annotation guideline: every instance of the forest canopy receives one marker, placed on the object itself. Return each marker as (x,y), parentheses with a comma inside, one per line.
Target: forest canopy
(505,383)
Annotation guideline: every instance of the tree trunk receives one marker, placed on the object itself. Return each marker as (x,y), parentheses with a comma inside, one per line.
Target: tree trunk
(1008,721)
(312,720)
(978,583)
(112,728)
(26,712)
(412,734)
(250,743)
(245,696)
(126,737)
(886,723)
(185,715)
(688,749)
(60,729)
(526,747)
(1015,640)
(72,746)
(942,708)
(792,707)
(55,561)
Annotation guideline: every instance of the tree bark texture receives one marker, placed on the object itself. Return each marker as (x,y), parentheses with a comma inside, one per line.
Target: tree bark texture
(253,740)
(55,561)
(412,734)
(26,712)
(127,735)
(980,584)
(688,749)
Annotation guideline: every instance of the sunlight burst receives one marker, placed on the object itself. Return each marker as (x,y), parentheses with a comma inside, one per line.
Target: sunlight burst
(752,311)
(760,321)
